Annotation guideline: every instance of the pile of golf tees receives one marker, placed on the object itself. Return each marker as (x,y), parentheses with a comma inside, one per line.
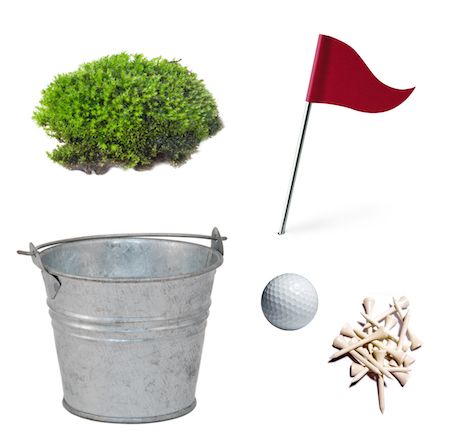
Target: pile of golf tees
(379,348)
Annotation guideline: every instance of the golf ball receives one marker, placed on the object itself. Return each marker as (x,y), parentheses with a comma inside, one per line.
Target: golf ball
(289,301)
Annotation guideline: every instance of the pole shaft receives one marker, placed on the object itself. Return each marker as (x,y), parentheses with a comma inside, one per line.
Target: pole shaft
(296,166)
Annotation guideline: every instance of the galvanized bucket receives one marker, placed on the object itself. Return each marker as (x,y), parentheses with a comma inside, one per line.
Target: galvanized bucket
(129,314)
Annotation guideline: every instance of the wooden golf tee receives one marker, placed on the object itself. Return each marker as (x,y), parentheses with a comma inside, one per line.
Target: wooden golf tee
(360,375)
(402,302)
(378,334)
(379,356)
(401,376)
(406,346)
(394,366)
(402,357)
(390,322)
(368,304)
(403,330)
(340,342)
(399,356)
(383,370)
(374,322)
(355,368)
(416,343)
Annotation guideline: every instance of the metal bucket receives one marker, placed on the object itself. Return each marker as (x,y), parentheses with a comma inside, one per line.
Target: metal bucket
(129,314)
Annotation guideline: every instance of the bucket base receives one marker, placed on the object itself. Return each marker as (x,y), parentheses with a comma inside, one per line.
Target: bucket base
(129,420)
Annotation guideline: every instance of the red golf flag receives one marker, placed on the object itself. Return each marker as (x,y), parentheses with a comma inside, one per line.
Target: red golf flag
(341,77)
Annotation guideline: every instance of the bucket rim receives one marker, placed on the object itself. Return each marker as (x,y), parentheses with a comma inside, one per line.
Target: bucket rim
(208,269)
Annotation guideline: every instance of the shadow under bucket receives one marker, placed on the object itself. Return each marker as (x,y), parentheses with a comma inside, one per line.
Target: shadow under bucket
(129,314)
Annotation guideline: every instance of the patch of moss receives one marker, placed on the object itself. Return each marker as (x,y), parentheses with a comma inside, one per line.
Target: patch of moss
(128,111)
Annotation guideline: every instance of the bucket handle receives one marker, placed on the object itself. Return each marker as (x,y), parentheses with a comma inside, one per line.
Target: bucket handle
(215,237)
(53,283)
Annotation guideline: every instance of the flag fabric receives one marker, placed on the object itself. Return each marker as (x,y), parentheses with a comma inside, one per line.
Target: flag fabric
(341,77)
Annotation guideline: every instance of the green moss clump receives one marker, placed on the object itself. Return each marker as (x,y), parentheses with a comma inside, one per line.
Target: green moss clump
(125,110)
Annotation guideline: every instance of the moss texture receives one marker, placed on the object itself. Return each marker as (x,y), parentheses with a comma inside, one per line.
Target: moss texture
(126,110)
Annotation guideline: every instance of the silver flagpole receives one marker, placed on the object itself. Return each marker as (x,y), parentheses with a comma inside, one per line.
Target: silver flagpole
(296,165)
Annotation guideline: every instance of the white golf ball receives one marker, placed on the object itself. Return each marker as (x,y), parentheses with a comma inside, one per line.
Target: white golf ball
(289,301)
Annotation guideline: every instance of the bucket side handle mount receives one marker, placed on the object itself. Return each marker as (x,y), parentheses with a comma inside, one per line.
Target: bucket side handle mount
(217,240)
(52,282)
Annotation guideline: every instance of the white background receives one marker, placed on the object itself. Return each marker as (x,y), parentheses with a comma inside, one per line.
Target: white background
(377,210)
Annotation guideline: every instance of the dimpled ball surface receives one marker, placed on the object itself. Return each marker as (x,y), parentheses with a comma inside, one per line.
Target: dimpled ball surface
(289,301)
